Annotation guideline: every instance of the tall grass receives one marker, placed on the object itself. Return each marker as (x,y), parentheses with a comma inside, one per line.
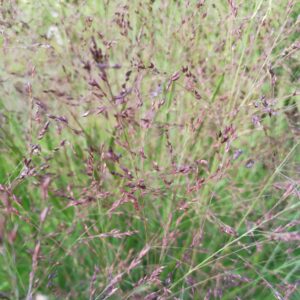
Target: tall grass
(149,149)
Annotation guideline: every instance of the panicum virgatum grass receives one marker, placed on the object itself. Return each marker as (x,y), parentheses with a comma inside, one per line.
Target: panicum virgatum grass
(149,149)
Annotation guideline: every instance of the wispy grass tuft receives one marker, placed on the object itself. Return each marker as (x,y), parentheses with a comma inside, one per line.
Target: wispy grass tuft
(149,149)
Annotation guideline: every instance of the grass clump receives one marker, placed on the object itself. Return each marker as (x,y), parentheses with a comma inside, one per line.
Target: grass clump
(149,150)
